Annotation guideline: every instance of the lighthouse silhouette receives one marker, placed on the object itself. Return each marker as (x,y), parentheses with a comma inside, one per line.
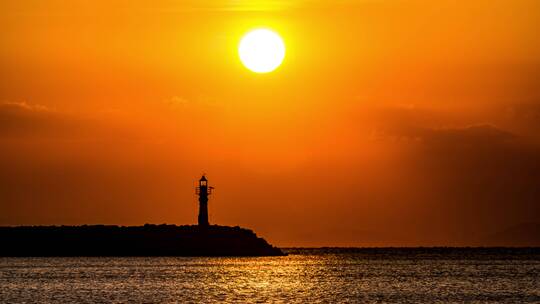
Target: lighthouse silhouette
(203,191)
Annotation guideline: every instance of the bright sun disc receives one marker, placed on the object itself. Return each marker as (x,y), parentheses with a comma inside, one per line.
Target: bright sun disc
(261,50)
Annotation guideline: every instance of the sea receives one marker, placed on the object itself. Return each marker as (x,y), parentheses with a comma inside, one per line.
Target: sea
(324,275)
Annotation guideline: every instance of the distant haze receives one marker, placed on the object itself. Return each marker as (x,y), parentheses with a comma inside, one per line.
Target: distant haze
(389,123)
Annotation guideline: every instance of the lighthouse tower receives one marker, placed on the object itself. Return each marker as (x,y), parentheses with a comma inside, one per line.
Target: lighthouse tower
(203,191)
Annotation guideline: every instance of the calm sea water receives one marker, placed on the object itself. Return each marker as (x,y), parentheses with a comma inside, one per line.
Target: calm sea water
(305,276)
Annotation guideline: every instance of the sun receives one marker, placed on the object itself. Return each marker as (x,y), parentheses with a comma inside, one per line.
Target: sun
(261,50)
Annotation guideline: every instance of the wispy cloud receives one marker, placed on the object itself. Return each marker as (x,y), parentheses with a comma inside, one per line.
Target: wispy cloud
(22,105)
(226,5)
(176,102)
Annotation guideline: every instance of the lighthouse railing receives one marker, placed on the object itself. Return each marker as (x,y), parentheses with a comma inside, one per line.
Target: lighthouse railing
(208,190)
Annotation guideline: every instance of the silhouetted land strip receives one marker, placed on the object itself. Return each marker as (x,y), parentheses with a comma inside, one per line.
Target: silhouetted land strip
(147,240)
(426,253)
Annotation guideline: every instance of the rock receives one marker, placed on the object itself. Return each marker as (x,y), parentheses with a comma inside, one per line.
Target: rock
(147,240)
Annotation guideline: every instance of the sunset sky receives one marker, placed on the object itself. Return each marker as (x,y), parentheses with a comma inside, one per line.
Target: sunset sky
(389,123)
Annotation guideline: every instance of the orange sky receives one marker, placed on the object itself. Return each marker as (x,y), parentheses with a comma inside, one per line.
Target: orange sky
(388,123)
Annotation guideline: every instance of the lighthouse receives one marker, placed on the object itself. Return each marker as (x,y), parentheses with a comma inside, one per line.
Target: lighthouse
(203,191)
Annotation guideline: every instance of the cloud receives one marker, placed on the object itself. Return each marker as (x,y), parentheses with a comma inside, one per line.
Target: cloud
(482,177)
(433,126)
(21,118)
(524,116)
(233,6)
(470,135)
(176,102)
(18,106)
(465,178)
